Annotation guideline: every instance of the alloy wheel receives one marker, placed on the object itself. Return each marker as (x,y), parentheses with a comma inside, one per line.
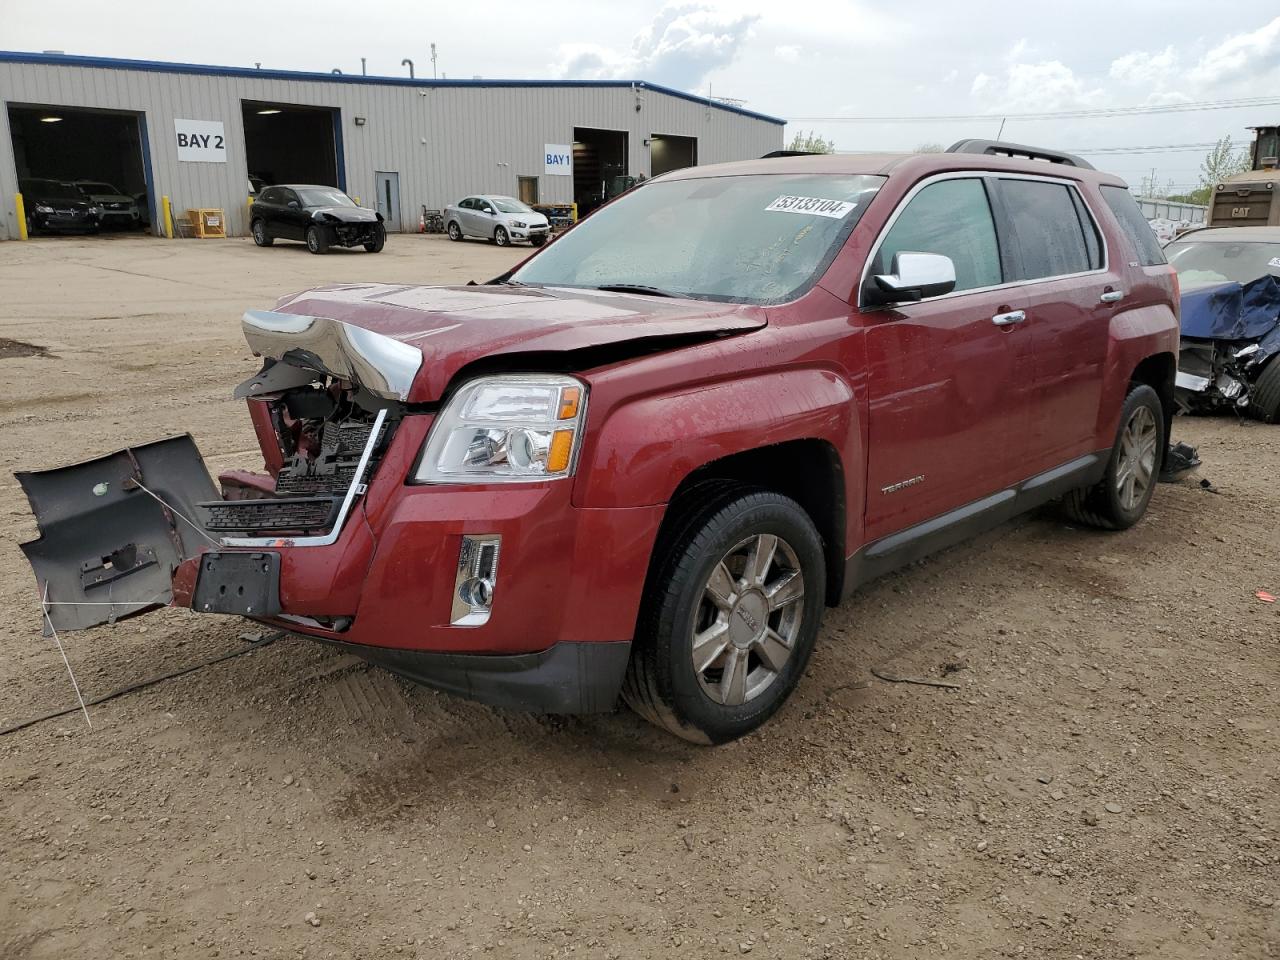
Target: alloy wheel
(1136,467)
(748,619)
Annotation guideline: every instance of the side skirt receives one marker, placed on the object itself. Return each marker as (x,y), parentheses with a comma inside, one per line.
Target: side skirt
(945,530)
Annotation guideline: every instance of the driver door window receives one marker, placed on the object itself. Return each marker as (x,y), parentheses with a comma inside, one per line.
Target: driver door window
(952,218)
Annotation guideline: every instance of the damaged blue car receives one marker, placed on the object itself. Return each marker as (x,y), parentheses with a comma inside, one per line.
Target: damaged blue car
(1230,280)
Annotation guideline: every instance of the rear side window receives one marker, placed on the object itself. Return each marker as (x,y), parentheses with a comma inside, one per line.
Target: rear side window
(1048,238)
(1134,225)
(953,218)
(270,195)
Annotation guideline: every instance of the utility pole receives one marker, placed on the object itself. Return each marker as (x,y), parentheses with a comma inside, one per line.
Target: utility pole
(433,61)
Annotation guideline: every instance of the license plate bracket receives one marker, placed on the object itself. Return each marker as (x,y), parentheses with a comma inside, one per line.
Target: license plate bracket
(243,584)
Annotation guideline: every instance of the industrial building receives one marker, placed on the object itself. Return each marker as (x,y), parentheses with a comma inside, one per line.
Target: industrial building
(197,134)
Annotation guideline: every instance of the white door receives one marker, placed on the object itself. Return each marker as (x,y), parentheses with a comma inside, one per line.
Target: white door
(387,190)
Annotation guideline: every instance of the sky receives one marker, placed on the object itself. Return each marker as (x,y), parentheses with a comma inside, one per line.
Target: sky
(808,61)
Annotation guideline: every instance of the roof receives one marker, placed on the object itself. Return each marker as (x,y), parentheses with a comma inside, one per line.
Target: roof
(882,164)
(162,66)
(1234,235)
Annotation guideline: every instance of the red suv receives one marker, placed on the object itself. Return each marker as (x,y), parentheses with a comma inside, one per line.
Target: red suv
(643,461)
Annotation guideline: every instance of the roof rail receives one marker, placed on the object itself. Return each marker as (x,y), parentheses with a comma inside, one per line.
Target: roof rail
(999,148)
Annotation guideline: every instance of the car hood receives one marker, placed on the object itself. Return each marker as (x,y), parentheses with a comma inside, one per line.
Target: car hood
(529,218)
(424,335)
(346,214)
(80,204)
(1232,311)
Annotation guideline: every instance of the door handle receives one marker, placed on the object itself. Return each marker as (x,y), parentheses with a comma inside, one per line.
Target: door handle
(1112,296)
(1010,318)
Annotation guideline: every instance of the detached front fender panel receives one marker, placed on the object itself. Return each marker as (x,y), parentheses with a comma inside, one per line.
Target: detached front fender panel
(639,455)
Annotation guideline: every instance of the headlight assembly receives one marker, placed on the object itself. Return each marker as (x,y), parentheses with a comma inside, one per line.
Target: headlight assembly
(507,429)
(519,223)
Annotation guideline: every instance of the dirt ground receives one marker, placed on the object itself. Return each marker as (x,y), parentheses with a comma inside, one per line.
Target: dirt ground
(1102,784)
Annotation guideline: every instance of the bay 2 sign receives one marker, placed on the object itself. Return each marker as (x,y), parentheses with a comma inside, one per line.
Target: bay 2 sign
(559,159)
(201,141)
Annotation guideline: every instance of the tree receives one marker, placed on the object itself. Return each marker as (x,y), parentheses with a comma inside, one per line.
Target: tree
(928,148)
(1222,162)
(811,142)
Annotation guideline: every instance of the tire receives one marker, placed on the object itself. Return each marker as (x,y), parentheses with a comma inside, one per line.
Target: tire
(1264,399)
(454,231)
(1117,502)
(500,237)
(317,239)
(261,236)
(537,241)
(707,550)
(379,240)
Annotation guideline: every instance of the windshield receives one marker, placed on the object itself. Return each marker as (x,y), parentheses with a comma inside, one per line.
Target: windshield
(1203,262)
(510,205)
(324,197)
(51,190)
(749,239)
(99,188)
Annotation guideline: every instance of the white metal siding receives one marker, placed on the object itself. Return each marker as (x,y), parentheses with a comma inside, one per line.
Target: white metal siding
(444,141)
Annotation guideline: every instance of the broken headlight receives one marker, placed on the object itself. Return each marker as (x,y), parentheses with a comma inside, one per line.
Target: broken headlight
(506,429)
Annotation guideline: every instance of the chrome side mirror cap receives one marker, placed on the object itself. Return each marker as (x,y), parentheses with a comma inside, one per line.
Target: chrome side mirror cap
(912,277)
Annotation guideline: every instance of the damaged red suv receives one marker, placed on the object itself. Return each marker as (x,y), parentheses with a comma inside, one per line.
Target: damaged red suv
(642,462)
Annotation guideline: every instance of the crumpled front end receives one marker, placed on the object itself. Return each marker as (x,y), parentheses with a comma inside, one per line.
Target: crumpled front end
(507,593)
(1230,332)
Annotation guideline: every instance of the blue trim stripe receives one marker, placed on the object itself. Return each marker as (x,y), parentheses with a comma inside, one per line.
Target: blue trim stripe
(160,66)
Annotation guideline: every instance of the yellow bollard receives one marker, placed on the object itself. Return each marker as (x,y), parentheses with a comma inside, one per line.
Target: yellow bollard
(168,217)
(22,216)
(575,213)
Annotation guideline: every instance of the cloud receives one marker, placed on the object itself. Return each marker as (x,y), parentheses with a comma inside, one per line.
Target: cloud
(787,53)
(1145,69)
(679,48)
(1240,57)
(1043,85)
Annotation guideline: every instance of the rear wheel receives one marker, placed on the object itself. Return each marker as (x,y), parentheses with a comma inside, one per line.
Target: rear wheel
(379,240)
(500,237)
(455,231)
(317,239)
(1119,500)
(260,235)
(1264,400)
(730,614)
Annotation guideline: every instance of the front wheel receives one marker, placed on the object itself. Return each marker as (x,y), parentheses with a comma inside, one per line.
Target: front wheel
(379,240)
(537,241)
(317,240)
(500,237)
(455,231)
(730,614)
(1264,399)
(260,235)
(1120,498)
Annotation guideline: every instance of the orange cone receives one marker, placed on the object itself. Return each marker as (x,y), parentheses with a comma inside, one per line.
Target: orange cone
(422,223)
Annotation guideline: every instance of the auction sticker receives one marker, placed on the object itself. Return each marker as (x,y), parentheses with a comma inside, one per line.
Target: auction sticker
(1274,262)
(814,206)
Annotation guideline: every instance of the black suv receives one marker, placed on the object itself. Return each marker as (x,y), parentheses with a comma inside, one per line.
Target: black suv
(322,217)
(53,205)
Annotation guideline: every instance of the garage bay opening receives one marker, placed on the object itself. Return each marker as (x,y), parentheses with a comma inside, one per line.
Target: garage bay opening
(599,167)
(667,153)
(80,170)
(286,143)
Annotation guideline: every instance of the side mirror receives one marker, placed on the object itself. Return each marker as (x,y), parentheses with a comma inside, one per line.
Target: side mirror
(912,277)
(294,204)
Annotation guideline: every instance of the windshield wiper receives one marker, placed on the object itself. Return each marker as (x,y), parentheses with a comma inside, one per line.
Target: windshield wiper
(635,288)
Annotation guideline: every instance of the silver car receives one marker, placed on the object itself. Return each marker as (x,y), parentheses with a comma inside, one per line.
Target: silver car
(503,220)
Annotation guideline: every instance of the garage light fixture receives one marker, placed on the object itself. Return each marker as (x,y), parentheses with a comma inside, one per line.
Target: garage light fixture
(360,121)
(269,110)
(50,119)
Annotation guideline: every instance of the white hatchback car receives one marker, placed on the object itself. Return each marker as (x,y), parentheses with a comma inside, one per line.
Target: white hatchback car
(503,220)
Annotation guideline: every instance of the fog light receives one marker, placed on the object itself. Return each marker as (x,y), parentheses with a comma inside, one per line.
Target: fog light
(473,587)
